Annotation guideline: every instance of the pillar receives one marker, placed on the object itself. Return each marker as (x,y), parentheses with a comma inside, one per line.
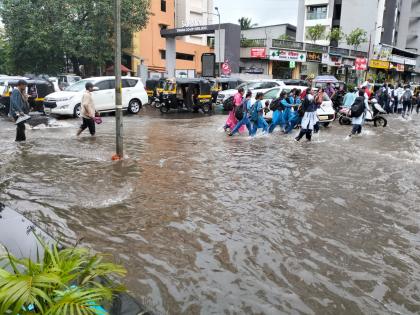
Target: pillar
(170,56)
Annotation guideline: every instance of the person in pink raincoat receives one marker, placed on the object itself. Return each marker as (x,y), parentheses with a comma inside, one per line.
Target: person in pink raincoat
(232,121)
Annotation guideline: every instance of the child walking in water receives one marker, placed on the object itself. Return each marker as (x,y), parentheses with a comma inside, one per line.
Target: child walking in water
(257,115)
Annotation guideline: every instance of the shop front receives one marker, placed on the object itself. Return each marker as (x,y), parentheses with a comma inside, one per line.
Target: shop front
(312,67)
(286,64)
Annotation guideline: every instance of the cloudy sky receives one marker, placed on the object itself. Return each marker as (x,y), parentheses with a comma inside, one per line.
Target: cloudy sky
(263,12)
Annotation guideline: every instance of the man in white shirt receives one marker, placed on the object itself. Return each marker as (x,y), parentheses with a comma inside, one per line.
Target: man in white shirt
(87,111)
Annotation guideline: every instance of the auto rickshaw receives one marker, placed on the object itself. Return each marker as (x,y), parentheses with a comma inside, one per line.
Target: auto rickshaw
(187,94)
(223,84)
(154,88)
(37,89)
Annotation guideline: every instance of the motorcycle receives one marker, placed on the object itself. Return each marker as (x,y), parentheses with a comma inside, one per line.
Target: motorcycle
(373,114)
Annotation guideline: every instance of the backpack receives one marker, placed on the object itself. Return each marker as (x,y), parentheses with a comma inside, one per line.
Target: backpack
(406,96)
(254,112)
(228,104)
(358,107)
(240,111)
(300,111)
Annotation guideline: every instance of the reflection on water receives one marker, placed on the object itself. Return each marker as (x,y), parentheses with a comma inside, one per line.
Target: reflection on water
(207,224)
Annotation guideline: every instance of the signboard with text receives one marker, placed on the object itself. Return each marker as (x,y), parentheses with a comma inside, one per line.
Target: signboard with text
(397,66)
(314,57)
(287,55)
(379,64)
(258,53)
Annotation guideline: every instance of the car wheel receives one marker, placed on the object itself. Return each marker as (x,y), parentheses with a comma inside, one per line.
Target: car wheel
(380,122)
(77,111)
(344,120)
(134,106)
(207,108)
(164,109)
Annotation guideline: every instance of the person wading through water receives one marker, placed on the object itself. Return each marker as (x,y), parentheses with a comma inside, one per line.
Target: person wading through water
(358,112)
(310,119)
(87,111)
(19,109)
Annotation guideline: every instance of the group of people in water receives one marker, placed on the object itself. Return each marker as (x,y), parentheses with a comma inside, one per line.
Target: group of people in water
(300,108)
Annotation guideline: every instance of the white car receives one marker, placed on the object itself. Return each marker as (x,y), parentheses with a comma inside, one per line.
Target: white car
(325,112)
(67,102)
(254,86)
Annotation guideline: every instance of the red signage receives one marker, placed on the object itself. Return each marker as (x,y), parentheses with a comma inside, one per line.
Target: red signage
(258,53)
(361,64)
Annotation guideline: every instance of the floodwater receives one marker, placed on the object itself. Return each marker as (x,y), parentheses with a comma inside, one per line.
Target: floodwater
(207,224)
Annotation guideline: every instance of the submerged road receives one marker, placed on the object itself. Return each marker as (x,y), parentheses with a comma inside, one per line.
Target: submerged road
(207,224)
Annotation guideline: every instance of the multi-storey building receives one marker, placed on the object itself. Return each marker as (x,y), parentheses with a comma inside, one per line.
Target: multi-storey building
(194,13)
(149,48)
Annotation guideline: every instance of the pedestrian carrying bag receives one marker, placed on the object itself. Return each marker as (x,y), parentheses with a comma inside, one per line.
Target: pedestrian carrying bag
(358,108)
(254,112)
(406,96)
(228,104)
(240,111)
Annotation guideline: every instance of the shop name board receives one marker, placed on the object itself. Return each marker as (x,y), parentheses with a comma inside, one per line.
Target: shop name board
(258,53)
(397,66)
(287,55)
(360,64)
(314,57)
(331,60)
(379,64)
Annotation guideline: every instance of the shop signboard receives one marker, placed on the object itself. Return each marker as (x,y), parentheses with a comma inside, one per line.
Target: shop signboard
(313,57)
(325,59)
(332,60)
(361,64)
(382,53)
(258,53)
(397,66)
(292,64)
(287,55)
(347,62)
(379,64)
(409,61)
(396,59)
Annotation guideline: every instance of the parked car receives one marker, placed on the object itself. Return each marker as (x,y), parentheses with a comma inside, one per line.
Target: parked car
(68,102)
(65,80)
(254,86)
(325,112)
(296,82)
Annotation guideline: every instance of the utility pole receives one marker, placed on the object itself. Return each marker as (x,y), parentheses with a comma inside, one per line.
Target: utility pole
(118,83)
(220,43)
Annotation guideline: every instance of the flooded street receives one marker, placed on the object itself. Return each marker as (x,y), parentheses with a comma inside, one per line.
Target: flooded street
(207,224)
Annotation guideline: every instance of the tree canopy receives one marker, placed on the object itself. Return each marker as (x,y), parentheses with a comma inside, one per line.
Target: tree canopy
(356,38)
(316,32)
(44,35)
(246,23)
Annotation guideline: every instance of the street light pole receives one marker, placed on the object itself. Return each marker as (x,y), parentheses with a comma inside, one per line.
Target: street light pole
(118,85)
(220,43)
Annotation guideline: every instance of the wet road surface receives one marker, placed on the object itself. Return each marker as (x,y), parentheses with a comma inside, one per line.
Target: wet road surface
(207,224)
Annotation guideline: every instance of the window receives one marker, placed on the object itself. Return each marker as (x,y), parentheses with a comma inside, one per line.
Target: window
(127,83)
(163,5)
(105,85)
(271,95)
(179,56)
(162,54)
(269,85)
(316,12)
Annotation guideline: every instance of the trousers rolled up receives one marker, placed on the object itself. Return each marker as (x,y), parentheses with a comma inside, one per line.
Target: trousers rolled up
(245,121)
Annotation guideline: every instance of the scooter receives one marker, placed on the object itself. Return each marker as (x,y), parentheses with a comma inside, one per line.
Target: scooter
(373,114)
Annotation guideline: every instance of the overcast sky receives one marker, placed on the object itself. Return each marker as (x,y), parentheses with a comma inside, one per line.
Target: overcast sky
(263,12)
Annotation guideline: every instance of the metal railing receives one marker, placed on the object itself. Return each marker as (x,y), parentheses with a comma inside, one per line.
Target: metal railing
(279,43)
(253,42)
(339,51)
(316,48)
(316,15)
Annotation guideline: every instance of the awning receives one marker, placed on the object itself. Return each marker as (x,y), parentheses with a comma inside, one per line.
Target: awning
(326,79)
(123,69)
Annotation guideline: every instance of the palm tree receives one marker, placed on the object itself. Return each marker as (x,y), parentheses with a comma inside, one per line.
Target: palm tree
(246,23)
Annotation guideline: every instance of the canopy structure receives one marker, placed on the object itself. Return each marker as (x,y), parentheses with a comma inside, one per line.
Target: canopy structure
(123,69)
(326,79)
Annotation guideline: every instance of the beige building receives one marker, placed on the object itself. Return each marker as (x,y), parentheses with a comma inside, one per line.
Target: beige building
(149,47)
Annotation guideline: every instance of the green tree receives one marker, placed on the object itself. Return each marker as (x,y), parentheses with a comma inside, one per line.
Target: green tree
(5,66)
(316,32)
(246,23)
(46,34)
(336,35)
(356,38)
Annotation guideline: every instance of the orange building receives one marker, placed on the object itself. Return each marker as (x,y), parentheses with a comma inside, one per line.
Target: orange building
(149,47)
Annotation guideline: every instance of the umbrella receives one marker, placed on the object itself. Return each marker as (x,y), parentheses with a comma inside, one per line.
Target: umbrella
(326,79)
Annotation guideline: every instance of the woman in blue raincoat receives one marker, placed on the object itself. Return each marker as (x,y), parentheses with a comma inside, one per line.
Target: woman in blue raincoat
(295,119)
(257,115)
(277,119)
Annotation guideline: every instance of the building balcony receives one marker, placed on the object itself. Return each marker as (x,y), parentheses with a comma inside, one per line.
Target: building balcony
(316,48)
(278,43)
(316,16)
(253,42)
